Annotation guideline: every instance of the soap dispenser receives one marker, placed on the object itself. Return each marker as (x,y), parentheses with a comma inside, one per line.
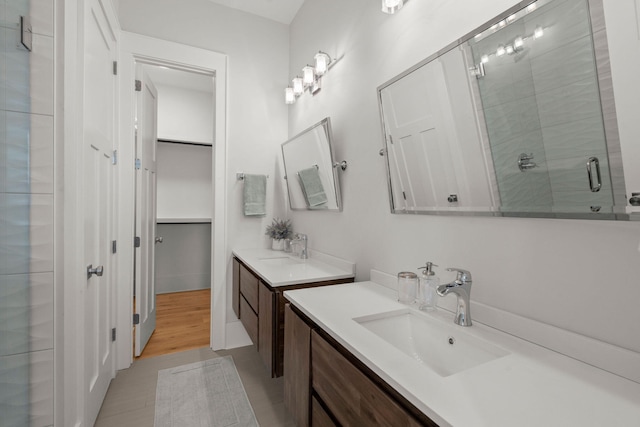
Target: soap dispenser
(427,289)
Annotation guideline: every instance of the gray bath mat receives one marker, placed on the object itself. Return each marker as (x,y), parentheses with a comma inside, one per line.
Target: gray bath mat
(202,394)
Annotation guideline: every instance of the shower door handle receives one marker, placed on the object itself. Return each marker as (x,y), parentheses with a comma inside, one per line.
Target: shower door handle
(159,239)
(596,184)
(97,271)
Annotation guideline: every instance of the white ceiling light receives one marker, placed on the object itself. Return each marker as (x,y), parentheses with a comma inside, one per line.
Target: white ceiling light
(392,6)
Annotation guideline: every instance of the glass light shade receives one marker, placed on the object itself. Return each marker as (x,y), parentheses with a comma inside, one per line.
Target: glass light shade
(539,32)
(484,59)
(298,87)
(510,50)
(289,97)
(322,63)
(392,6)
(501,51)
(308,75)
(518,42)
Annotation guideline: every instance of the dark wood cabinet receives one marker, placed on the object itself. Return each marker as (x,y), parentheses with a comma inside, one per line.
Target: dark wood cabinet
(325,385)
(235,298)
(262,305)
(297,367)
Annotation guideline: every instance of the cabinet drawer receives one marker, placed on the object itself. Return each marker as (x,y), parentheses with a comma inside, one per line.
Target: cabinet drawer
(319,417)
(249,319)
(249,287)
(352,398)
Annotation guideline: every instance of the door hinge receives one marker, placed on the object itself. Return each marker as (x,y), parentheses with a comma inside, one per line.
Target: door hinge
(136,242)
(115,68)
(404,195)
(113,246)
(136,319)
(114,157)
(138,163)
(113,334)
(138,85)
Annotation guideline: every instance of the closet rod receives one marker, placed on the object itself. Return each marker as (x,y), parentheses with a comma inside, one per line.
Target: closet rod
(171,141)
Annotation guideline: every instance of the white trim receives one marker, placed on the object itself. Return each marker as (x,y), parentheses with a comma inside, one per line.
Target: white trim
(155,51)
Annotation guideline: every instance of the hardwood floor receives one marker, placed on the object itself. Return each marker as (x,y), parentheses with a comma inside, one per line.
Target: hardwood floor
(182,323)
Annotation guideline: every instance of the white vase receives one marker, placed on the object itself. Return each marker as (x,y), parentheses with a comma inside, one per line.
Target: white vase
(277,244)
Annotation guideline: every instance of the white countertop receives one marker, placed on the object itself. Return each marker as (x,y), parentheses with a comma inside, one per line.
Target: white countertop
(531,386)
(279,268)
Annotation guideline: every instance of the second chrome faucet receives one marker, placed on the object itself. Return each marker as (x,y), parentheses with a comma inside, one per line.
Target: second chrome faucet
(461,286)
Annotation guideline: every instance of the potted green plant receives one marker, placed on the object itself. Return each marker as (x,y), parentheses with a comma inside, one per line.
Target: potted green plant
(279,230)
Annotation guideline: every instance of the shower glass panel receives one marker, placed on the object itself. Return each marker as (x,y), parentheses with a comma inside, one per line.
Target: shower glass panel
(15,211)
(536,74)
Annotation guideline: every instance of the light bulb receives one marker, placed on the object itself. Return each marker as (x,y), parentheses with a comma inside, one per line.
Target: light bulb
(501,51)
(289,97)
(518,42)
(509,49)
(484,59)
(308,75)
(322,63)
(539,32)
(392,6)
(298,88)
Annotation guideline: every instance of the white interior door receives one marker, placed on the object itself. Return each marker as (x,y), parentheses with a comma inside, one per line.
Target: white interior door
(416,110)
(98,207)
(146,143)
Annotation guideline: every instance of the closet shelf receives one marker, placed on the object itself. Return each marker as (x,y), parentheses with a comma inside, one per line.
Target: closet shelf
(183,220)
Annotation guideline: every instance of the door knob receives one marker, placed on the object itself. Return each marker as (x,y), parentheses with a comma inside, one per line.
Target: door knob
(97,271)
(159,239)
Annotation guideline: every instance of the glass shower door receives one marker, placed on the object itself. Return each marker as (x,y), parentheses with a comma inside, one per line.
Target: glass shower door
(540,98)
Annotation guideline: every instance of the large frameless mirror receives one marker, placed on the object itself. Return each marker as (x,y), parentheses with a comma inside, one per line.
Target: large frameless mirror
(515,120)
(310,171)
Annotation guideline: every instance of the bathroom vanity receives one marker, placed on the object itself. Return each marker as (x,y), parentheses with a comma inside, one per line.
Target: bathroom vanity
(356,356)
(260,276)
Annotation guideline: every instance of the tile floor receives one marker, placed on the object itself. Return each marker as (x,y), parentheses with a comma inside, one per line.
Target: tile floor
(130,401)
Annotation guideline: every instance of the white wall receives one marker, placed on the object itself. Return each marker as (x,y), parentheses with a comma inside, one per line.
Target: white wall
(574,274)
(257,49)
(184,115)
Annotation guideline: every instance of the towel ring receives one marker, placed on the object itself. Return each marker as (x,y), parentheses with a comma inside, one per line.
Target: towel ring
(342,164)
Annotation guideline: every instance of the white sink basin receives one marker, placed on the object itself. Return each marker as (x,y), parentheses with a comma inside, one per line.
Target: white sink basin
(445,349)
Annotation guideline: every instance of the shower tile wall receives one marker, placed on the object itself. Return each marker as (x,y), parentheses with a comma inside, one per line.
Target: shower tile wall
(545,101)
(26,216)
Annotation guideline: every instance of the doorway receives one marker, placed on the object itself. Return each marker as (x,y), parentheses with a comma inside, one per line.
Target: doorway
(174,57)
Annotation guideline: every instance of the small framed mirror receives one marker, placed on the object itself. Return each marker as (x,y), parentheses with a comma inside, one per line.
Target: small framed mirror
(310,171)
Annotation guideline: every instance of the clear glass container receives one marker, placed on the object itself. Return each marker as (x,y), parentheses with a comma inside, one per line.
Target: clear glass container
(407,287)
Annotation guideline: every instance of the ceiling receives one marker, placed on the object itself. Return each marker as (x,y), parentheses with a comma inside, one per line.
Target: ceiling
(277,10)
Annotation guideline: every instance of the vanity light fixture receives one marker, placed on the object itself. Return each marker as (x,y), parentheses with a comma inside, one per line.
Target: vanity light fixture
(518,43)
(311,78)
(322,61)
(539,32)
(392,6)
(298,87)
(289,96)
(308,75)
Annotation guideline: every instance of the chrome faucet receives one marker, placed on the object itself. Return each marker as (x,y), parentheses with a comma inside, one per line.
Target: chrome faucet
(462,288)
(302,239)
